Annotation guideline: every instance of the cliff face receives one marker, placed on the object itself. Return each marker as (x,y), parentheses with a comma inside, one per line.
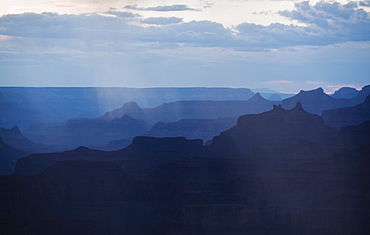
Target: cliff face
(350,116)
(8,158)
(130,108)
(204,129)
(273,173)
(170,112)
(277,127)
(315,101)
(142,156)
(353,136)
(16,139)
(37,163)
(195,195)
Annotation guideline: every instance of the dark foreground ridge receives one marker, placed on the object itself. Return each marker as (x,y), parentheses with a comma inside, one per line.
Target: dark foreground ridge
(278,172)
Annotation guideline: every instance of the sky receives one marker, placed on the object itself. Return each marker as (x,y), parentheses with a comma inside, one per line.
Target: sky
(286,46)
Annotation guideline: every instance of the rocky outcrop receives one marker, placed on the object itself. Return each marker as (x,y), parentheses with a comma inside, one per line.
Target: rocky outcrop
(315,101)
(131,109)
(278,127)
(204,129)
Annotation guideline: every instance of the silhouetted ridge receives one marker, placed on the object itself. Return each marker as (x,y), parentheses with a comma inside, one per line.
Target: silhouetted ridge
(275,97)
(277,127)
(17,140)
(204,129)
(345,93)
(350,116)
(98,131)
(142,146)
(8,157)
(130,108)
(256,97)
(361,95)
(36,163)
(315,101)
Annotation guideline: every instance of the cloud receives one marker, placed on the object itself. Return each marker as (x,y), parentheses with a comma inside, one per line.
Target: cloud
(176,7)
(123,14)
(161,20)
(321,24)
(365,3)
(332,22)
(52,25)
(263,13)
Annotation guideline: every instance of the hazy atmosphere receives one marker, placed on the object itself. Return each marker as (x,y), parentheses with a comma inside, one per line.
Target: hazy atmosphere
(282,45)
(196,117)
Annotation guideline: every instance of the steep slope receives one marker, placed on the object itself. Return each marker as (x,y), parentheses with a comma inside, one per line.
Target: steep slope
(361,95)
(315,101)
(146,153)
(115,125)
(37,163)
(131,109)
(8,158)
(350,116)
(278,127)
(11,114)
(196,109)
(100,131)
(143,155)
(15,138)
(353,136)
(170,112)
(204,129)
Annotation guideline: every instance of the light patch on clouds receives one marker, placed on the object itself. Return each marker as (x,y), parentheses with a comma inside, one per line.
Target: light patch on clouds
(176,7)
(5,37)
(123,14)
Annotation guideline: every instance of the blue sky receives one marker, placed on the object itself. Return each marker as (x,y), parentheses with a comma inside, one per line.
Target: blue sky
(282,45)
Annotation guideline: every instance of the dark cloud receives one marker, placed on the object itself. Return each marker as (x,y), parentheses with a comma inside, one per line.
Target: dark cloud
(334,22)
(52,25)
(161,20)
(177,7)
(365,3)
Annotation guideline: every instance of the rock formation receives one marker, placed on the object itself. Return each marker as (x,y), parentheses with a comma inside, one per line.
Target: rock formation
(278,127)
